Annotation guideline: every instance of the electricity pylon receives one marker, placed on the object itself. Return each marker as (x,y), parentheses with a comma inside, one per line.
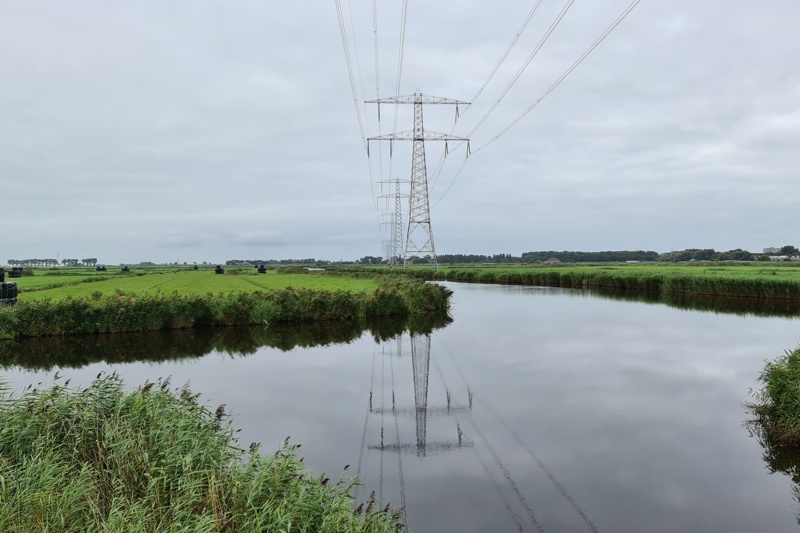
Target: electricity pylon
(419,233)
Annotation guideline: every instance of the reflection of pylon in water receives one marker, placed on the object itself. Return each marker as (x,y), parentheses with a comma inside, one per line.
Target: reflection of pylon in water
(420,362)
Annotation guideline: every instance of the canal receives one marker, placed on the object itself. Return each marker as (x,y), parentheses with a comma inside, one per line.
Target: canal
(536,409)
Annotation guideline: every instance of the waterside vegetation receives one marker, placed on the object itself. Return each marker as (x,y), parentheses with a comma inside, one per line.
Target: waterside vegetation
(155,459)
(777,405)
(773,280)
(145,311)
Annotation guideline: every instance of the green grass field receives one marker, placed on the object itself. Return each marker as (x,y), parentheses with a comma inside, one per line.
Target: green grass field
(59,284)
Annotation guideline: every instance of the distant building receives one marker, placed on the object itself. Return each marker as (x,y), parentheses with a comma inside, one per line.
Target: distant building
(772,251)
(553,261)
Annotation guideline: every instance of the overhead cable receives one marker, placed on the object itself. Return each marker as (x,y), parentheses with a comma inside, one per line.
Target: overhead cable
(566,73)
(550,89)
(440,165)
(508,87)
(519,73)
(508,50)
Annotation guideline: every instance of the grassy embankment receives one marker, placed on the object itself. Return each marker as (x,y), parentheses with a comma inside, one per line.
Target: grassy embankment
(183,298)
(101,459)
(760,280)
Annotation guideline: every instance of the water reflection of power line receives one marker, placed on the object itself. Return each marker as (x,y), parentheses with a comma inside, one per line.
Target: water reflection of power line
(524,445)
(420,363)
(397,437)
(506,474)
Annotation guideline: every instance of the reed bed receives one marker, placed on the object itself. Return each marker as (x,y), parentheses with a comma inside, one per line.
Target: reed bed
(778,402)
(121,312)
(152,460)
(748,282)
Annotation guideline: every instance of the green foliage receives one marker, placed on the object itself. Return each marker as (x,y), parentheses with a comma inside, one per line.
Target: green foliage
(780,282)
(590,257)
(101,459)
(789,250)
(779,400)
(121,312)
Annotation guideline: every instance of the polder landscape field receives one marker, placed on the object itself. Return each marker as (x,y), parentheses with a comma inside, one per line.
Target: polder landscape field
(65,302)
(272,491)
(63,283)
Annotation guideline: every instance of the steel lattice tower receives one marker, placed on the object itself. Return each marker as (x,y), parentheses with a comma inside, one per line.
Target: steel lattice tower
(394,246)
(419,233)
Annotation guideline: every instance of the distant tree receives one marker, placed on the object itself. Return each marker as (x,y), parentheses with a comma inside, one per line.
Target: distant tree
(789,250)
(737,255)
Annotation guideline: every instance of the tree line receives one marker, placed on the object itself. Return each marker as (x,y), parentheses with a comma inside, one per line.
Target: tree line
(251,262)
(90,261)
(619,256)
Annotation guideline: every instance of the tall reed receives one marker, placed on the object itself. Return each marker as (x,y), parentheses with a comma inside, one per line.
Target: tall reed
(101,459)
(778,401)
(588,277)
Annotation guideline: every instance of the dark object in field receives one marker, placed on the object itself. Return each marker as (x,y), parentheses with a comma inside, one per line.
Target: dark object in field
(195,267)
(126,269)
(16,272)
(262,269)
(101,268)
(219,270)
(8,292)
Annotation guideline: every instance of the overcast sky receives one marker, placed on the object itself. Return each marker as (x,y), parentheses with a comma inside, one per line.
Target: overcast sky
(198,130)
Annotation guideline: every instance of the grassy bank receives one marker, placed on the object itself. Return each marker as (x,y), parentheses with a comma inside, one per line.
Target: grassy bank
(778,402)
(120,311)
(705,279)
(101,459)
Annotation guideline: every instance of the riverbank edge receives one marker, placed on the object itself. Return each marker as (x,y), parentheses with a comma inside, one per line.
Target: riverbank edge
(155,459)
(121,312)
(586,278)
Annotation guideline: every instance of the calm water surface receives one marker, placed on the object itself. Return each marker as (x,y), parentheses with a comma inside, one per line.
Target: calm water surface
(537,409)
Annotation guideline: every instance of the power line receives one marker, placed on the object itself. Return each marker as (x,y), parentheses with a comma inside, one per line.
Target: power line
(527,62)
(400,53)
(508,50)
(440,165)
(346,48)
(351,77)
(550,89)
(567,72)
(516,77)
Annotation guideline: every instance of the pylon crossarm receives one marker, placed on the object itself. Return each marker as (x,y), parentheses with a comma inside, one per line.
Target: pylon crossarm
(409,135)
(417,98)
